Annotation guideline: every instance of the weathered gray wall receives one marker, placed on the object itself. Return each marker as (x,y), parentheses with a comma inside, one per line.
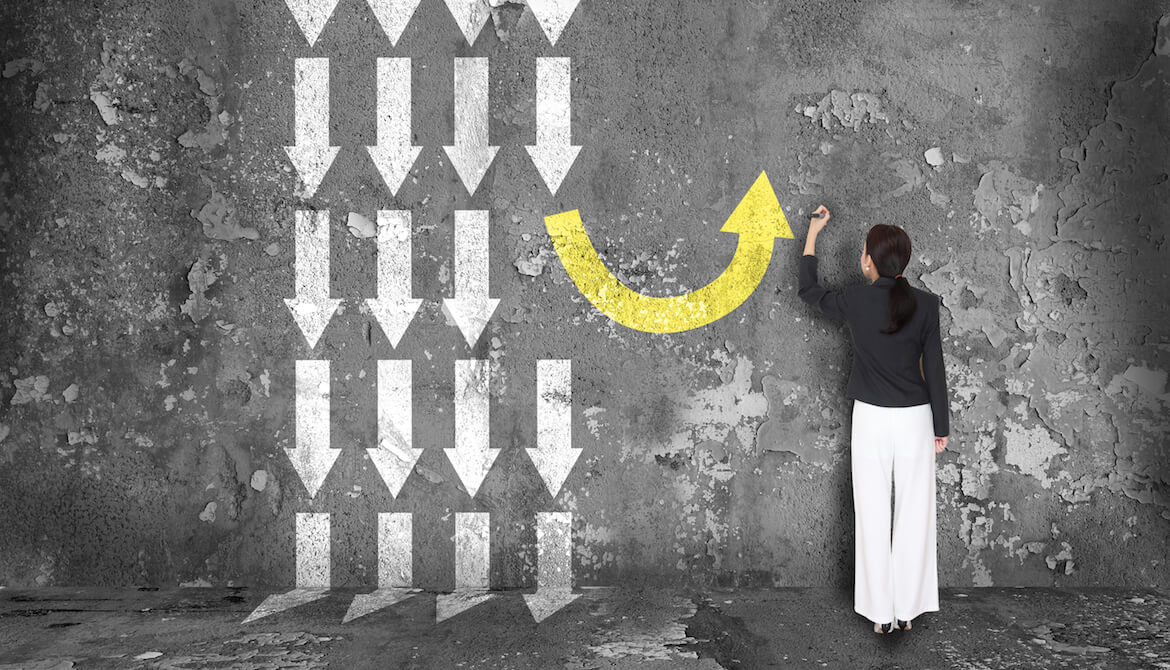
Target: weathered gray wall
(147,367)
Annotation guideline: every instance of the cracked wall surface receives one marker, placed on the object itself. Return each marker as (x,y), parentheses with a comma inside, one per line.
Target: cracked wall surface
(146,242)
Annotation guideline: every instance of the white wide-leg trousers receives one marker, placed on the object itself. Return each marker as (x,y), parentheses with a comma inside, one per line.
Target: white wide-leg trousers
(895,579)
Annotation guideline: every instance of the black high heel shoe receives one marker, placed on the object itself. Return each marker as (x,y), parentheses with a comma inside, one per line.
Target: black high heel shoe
(883,628)
(903,625)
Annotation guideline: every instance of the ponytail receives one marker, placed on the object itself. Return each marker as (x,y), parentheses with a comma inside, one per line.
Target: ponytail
(889,248)
(903,302)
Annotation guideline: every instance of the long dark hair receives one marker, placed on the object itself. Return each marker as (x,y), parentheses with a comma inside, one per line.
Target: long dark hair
(889,248)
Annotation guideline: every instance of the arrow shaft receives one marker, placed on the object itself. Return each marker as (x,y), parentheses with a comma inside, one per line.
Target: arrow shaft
(471,253)
(553,110)
(311,100)
(650,313)
(394,253)
(394,91)
(313,548)
(395,557)
(472,403)
(471,101)
(395,405)
(312,254)
(554,405)
(554,550)
(472,550)
(312,409)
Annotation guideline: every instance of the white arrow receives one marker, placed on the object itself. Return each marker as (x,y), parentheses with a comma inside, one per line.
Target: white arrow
(394,308)
(311,154)
(394,456)
(312,308)
(313,457)
(395,567)
(554,151)
(472,563)
(554,454)
(553,15)
(311,16)
(554,565)
(471,308)
(471,154)
(393,15)
(393,154)
(471,457)
(312,557)
(471,15)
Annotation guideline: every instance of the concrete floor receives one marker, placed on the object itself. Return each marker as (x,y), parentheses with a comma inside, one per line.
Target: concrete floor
(58,628)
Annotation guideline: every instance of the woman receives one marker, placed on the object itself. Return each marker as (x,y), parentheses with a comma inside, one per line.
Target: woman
(900,421)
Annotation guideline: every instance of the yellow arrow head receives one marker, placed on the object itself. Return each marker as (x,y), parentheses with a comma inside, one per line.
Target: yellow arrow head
(759,215)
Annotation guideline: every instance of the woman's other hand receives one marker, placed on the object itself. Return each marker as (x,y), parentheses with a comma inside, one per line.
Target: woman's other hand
(815,225)
(940,443)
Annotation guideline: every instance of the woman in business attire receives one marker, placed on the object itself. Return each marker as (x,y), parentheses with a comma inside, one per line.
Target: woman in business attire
(900,421)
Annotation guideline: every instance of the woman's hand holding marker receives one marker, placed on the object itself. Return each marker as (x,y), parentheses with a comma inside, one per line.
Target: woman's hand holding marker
(819,218)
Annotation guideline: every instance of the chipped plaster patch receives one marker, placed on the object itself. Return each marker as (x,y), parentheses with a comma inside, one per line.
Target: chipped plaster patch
(1030,450)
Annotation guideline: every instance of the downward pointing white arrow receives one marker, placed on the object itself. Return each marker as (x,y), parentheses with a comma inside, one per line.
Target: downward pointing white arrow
(472,563)
(313,457)
(554,454)
(312,307)
(394,456)
(553,152)
(393,15)
(394,154)
(471,154)
(313,565)
(471,15)
(311,154)
(471,456)
(311,16)
(554,565)
(471,308)
(553,15)
(394,308)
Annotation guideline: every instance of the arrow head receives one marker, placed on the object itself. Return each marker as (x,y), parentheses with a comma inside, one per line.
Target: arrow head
(311,163)
(448,605)
(553,15)
(311,16)
(553,161)
(393,163)
(394,464)
(471,315)
(554,465)
(393,15)
(312,315)
(759,213)
(546,602)
(313,465)
(471,15)
(394,315)
(471,162)
(471,466)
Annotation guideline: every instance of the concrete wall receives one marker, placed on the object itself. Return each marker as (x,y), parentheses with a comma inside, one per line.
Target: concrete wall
(147,357)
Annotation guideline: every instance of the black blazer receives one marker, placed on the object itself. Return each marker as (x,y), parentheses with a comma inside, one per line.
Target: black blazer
(886,368)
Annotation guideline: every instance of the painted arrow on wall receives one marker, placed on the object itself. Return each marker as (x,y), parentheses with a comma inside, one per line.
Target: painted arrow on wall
(394,457)
(758,220)
(312,457)
(311,307)
(472,563)
(311,16)
(471,308)
(394,308)
(554,153)
(393,154)
(311,153)
(470,15)
(471,154)
(395,567)
(471,456)
(554,454)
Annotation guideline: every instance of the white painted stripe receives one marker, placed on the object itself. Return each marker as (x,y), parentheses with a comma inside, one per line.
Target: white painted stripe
(394,253)
(394,92)
(311,101)
(471,102)
(472,550)
(395,550)
(554,550)
(471,253)
(553,90)
(312,254)
(313,548)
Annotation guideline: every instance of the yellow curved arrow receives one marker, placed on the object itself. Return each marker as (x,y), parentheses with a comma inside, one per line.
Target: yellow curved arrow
(757,219)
